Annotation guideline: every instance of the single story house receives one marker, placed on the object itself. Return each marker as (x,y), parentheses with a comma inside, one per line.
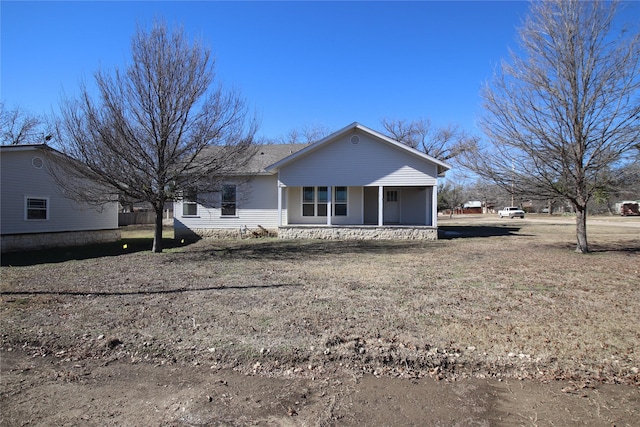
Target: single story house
(354,184)
(35,214)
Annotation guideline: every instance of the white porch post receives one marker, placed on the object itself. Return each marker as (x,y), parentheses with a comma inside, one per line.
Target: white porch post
(380,206)
(329,210)
(279,204)
(434,205)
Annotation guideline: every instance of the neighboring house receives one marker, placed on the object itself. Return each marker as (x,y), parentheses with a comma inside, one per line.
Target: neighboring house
(34,213)
(353,184)
(472,207)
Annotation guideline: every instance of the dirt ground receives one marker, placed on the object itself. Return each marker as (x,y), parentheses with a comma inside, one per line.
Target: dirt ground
(44,391)
(264,334)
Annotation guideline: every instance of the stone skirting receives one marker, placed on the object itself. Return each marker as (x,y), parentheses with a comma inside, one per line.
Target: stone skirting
(34,241)
(222,233)
(359,233)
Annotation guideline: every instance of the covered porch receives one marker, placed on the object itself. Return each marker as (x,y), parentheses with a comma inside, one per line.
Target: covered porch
(357,212)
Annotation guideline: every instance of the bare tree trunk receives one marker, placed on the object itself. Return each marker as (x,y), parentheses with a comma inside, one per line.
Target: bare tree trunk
(581,229)
(157,235)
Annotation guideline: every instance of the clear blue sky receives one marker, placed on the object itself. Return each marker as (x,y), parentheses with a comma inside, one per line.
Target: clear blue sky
(297,63)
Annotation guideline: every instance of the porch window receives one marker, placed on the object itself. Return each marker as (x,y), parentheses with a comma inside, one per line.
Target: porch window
(340,201)
(37,208)
(190,202)
(229,200)
(314,201)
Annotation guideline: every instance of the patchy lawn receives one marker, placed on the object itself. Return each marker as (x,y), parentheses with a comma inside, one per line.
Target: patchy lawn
(491,299)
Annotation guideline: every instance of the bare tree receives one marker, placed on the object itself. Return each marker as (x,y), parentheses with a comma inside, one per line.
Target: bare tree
(450,197)
(158,129)
(442,143)
(306,134)
(17,126)
(567,109)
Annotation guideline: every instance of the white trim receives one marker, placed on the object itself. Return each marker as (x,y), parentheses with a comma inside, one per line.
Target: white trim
(434,206)
(279,204)
(334,203)
(362,206)
(235,201)
(380,205)
(329,204)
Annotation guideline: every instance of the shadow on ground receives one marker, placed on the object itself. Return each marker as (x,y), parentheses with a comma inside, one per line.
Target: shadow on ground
(626,247)
(150,291)
(56,255)
(448,232)
(253,248)
(274,249)
(297,249)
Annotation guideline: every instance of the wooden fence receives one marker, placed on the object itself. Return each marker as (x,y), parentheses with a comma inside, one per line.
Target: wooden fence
(141,217)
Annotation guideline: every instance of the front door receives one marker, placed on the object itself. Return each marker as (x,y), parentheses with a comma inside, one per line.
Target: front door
(391,207)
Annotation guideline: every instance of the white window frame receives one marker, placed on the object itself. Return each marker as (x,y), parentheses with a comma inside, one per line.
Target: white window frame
(336,202)
(315,203)
(26,208)
(189,198)
(234,202)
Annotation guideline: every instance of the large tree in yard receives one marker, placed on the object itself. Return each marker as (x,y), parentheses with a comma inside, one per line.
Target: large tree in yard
(444,143)
(148,134)
(565,109)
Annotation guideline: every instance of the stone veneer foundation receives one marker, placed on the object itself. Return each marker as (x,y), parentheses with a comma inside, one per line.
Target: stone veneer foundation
(359,233)
(317,232)
(33,241)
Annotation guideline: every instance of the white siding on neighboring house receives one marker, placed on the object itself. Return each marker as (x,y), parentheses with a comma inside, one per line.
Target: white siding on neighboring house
(369,162)
(256,204)
(24,175)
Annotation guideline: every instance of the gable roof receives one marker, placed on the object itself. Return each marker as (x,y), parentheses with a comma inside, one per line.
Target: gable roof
(268,154)
(442,166)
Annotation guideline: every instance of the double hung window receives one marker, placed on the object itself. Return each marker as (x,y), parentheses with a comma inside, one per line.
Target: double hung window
(37,208)
(340,201)
(190,202)
(315,201)
(229,202)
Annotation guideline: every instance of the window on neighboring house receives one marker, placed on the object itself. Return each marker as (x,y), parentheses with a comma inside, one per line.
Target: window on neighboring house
(190,202)
(229,202)
(37,208)
(340,201)
(314,201)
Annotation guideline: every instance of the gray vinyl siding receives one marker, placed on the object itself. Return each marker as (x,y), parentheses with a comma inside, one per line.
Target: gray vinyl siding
(256,204)
(20,179)
(368,163)
(414,205)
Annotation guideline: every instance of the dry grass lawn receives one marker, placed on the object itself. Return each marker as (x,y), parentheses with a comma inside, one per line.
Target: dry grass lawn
(493,298)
